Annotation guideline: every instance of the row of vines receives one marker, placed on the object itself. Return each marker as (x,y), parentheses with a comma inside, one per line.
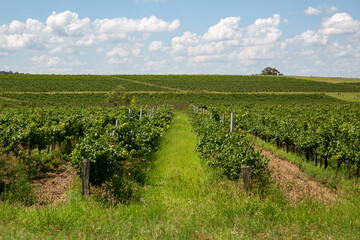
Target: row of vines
(113,139)
(326,135)
(224,150)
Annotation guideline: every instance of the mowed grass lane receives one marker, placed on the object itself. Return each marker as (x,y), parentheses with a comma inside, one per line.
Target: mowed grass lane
(184,199)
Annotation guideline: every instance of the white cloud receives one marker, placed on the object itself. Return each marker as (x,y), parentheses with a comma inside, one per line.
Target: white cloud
(125,25)
(340,23)
(307,52)
(312,11)
(331,10)
(45,61)
(226,29)
(118,52)
(68,24)
(157,46)
(344,50)
(66,30)
(227,41)
(126,50)
(307,38)
(16,27)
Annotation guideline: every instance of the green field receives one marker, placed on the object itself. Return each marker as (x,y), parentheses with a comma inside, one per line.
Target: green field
(90,99)
(230,83)
(80,90)
(174,174)
(68,83)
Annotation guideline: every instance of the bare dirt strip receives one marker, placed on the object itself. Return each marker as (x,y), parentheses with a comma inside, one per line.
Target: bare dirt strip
(296,184)
(54,187)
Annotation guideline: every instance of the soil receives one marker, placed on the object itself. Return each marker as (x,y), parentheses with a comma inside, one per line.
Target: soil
(296,184)
(54,187)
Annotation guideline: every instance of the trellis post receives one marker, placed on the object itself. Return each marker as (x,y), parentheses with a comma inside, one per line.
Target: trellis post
(85,176)
(246,176)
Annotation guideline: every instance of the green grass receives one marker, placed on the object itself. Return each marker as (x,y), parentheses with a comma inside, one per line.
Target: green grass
(184,199)
(349,97)
(327,177)
(329,79)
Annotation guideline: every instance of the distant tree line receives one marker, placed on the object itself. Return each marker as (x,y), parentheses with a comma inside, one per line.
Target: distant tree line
(8,72)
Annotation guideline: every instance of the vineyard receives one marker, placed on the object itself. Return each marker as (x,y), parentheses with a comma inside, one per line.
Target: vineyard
(169,162)
(109,138)
(228,83)
(321,134)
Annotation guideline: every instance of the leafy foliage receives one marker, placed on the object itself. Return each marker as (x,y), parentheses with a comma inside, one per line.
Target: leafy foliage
(78,133)
(270,71)
(323,134)
(118,96)
(224,150)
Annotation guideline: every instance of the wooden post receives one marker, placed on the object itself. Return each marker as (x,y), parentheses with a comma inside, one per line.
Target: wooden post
(140,113)
(223,118)
(246,176)
(232,122)
(85,176)
(129,112)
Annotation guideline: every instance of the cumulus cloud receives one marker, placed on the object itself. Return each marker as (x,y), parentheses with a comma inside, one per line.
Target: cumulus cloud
(226,40)
(68,24)
(307,38)
(312,11)
(118,52)
(121,26)
(157,46)
(344,50)
(226,29)
(67,30)
(45,61)
(125,51)
(340,23)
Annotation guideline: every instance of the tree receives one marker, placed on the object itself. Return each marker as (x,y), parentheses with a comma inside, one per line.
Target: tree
(118,96)
(271,71)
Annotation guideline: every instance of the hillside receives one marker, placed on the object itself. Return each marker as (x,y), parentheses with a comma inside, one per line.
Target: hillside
(79,90)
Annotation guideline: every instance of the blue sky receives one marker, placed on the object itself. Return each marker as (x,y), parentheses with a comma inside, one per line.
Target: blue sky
(317,38)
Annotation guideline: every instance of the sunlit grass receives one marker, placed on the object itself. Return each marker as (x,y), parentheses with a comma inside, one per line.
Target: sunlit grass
(184,199)
(350,97)
(329,79)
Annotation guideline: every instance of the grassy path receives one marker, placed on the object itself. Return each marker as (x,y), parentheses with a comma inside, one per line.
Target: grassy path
(177,160)
(183,199)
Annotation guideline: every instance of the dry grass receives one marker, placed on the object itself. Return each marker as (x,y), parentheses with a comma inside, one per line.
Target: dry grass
(296,184)
(54,187)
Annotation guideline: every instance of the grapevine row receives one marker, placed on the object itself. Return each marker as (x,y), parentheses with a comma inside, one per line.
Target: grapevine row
(224,150)
(326,135)
(108,137)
